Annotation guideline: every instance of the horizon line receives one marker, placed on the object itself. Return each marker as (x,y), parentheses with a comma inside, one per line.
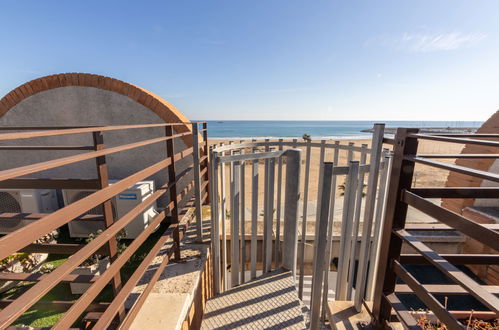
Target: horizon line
(362,120)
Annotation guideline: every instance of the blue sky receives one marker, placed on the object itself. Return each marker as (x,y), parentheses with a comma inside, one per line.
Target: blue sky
(273,59)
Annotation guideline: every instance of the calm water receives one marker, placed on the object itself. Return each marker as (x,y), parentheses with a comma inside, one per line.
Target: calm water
(316,129)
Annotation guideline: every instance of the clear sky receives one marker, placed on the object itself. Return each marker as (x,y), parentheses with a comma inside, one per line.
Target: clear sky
(270,59)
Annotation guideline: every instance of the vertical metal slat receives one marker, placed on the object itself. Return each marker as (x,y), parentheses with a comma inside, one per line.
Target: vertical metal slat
(346,229)
(320,245)
(254,215)
(329,247)
(355,226)
(277,252)
(234,230)
(372,184)
(197,182)
(303,241)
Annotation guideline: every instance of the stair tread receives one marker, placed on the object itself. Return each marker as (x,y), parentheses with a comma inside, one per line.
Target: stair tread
(270,301)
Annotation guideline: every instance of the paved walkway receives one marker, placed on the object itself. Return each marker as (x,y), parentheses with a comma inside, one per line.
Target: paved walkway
(268,302)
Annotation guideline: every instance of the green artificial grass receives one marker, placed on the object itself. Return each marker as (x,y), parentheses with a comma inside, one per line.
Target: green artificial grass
(44,316)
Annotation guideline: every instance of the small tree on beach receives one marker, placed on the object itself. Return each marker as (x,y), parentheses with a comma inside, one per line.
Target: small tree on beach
(342,189)
(306,137)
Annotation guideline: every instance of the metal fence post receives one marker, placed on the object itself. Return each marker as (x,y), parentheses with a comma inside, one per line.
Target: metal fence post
(291,200)
(379,215)
(234,229)
(197,182)
(356,221)
(254,214)
(372,184)
(222,215)
(390,245)
(215,222)
(320,245)
(346,230)
(269,216)
(304,221)
(206,160)
(170,151)
(107,208)
(265,209)
(242,216)
(329,247)
(277,250)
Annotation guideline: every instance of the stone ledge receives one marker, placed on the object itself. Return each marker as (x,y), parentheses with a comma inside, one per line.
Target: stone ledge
(168,305)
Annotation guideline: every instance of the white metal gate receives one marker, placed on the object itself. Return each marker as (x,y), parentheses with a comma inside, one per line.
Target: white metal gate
(235,172)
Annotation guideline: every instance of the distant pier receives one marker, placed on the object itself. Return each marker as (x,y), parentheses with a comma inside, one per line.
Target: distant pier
(432,130)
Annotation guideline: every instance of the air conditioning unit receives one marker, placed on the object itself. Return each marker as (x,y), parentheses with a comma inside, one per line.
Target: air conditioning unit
(122,204)
(25,201)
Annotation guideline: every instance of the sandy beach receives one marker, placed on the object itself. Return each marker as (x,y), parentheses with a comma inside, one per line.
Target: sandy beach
(424,175)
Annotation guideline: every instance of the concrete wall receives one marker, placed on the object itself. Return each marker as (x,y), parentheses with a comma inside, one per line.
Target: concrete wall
(78,105)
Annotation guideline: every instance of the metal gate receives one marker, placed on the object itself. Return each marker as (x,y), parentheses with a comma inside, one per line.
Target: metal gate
(345,230)
(233,209)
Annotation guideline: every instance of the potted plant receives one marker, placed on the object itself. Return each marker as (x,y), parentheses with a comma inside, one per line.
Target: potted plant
(96,264)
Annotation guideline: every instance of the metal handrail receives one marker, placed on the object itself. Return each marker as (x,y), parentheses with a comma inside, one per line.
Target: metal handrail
(62,131)
(21,239)
(281,142)
(401,195)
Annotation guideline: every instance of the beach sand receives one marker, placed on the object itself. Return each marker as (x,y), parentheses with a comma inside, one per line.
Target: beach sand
(424,175)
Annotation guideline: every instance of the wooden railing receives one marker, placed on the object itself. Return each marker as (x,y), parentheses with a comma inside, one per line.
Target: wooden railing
(401,195)
(184,189)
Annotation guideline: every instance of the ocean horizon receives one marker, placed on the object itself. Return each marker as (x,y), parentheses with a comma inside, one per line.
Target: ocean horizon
(327,129)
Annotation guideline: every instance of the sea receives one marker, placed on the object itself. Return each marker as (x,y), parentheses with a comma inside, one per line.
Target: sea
(316,129)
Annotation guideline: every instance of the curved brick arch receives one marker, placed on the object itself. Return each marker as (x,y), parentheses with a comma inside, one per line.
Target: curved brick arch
(460,180)
(158,105)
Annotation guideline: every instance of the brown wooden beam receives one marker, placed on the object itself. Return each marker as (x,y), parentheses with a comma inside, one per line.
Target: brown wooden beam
(457,192)
(466,226)
(456,259)
(34,183)
(34,277)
